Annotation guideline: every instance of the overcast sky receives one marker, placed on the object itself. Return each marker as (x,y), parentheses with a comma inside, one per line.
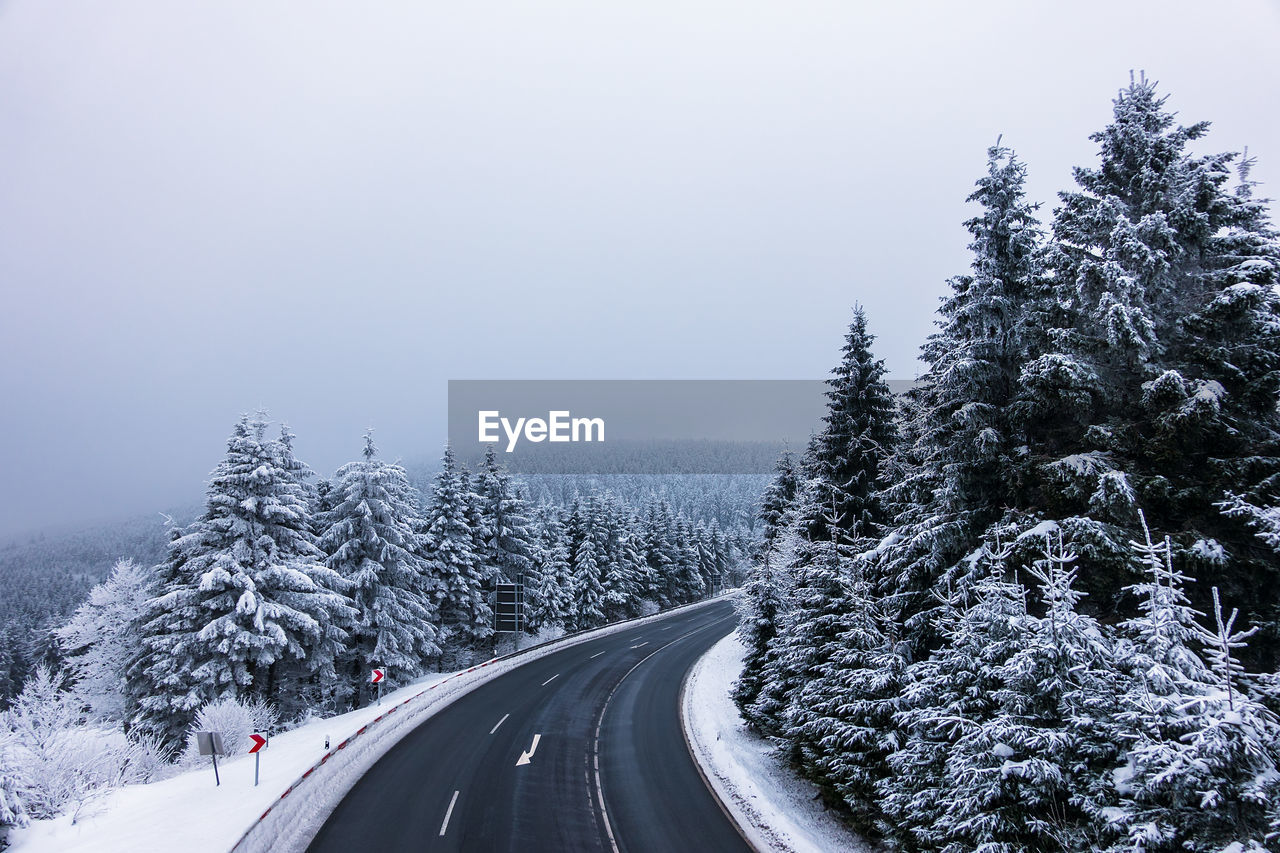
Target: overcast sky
(330,209)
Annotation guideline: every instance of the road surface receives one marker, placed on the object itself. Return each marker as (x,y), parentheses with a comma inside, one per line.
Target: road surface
(579,750)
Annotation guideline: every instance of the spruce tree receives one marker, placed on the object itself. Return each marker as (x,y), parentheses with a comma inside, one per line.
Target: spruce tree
(371,541)
(1158,386)
(765,594)
(841,719)
(456,569)
(509,539)
(858,434)
(550,599)
(102,638)
(242,594)
(957,470)
(586,531)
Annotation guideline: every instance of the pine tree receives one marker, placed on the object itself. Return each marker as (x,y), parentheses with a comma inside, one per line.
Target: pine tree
(509,543)
(958,466)
(102,638)
(452,561)
(242,593)
(371,541)
(550,601)
(859,432)
(657,550)
(588,553)
(765,594)
(686,583)
(1158,383)
(840,501)
(818,607)
(840,720)
(948,695)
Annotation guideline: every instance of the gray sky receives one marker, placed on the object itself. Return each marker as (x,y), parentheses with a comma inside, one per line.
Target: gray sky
(329,209)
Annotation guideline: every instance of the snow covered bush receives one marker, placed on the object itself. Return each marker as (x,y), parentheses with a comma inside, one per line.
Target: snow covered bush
(58,761)
(235,720)
(13,811)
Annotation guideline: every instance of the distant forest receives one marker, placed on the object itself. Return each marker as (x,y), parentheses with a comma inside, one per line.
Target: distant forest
(47,575)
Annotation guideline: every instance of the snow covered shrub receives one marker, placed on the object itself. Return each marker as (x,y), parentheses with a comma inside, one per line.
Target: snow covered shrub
(13,812)
(235,720)
(60,762)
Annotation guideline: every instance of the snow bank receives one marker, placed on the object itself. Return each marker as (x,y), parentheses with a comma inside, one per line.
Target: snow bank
(188,813)
(774,809)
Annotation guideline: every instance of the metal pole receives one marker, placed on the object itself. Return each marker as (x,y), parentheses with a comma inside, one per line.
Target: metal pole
(257,757)
(216,781)
(379,692)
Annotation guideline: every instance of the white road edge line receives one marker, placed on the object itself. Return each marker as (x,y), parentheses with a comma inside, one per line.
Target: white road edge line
(595,741)
(444,827)
(551,679)
(597,654)
(500,722)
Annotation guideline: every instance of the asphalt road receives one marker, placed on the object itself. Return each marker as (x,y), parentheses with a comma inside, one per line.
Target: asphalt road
(610,770)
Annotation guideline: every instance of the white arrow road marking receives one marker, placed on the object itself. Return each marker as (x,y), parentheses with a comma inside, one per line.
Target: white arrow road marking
(645,643)
(525,756)
(551,679)
(500,722)
(444,827)
(597,654)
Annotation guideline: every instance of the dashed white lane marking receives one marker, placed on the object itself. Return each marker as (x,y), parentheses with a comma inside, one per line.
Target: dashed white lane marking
(645,643)
(597,654)
(444,827)
(500,722)
(551,679)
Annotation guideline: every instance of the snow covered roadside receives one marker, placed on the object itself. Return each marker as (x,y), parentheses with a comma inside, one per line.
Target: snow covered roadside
(188,813)
(775,809)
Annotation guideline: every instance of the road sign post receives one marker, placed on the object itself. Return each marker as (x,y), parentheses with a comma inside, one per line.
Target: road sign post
(376,678)
(259,741)
(210,744)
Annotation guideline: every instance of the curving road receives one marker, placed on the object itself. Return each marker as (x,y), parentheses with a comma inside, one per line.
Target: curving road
(609,768)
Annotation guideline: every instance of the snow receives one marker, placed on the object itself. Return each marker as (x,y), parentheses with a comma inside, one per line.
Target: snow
(188,813)
(774,808)
(1044,528)
(1211,391)
(1085,464)
(1209,550)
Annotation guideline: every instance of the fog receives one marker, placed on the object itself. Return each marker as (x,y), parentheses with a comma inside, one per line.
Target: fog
(330,209)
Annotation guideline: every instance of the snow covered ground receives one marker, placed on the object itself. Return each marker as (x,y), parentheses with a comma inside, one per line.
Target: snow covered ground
(189,813)
(777,810)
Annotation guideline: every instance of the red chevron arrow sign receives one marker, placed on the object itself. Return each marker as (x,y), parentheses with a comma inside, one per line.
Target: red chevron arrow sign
(378,675)
(258,742)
